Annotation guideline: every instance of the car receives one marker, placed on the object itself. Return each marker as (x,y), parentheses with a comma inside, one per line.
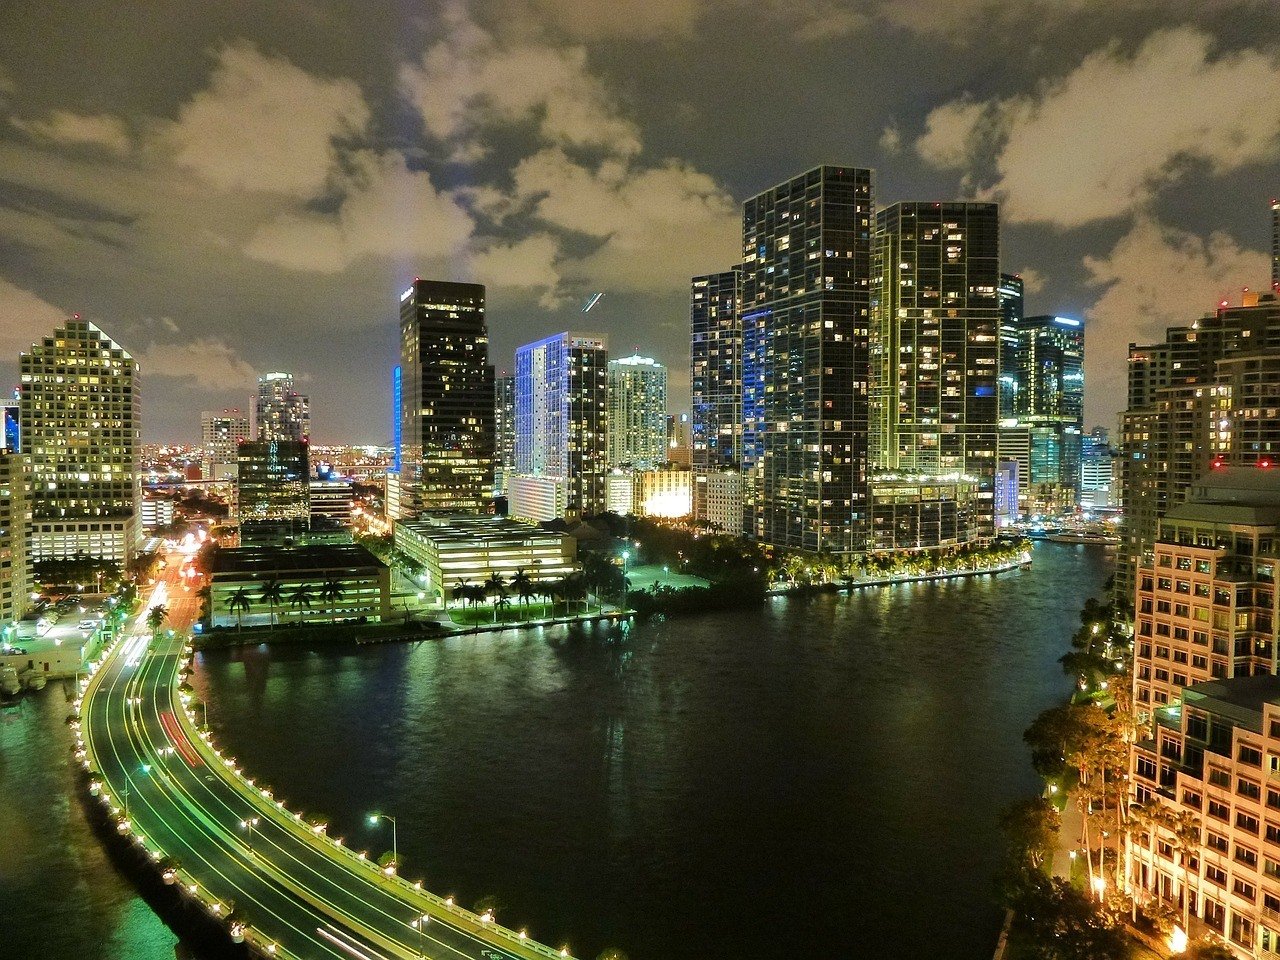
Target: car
(88,624)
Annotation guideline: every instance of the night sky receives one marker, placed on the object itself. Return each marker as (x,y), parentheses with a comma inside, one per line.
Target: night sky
(229,188)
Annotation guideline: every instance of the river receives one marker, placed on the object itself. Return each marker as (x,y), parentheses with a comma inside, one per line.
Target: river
(818,778)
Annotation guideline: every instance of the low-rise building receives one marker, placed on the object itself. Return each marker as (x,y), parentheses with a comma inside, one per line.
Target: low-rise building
(157,512)
(316,583)
(666,493)
(538,499)
(471,549)
(331,500)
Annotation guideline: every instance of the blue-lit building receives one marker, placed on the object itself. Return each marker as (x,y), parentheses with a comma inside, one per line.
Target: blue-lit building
(561,421)
(11,435)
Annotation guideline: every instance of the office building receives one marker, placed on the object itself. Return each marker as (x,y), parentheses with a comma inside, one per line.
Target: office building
(331,499)
(273,491)
(805,329)
(637,424)
(157,512)
(562,387)
(1012,309)
(448,398)
(1180,393)
(620,491)
(1097,465)
(221,433)
(504,426)
(15,528)
(78,412)
(280,412)
(471,549)
(715,370)
(538,499)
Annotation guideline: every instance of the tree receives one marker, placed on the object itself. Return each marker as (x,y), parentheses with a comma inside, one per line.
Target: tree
(332,593)
(523,585)
(1031,827)
(500,606)
(300,597)
(1185,827)
(1060,923)
(461,592)
(238,604)
(270,595)
(496,584)
(156,617)
(1208,950)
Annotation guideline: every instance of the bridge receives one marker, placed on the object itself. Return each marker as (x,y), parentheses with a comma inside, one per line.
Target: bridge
(280,883)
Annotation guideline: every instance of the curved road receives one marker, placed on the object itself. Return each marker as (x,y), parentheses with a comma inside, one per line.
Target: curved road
(298,893)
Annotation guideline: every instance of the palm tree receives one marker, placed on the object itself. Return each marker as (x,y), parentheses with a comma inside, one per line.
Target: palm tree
(461,591)
(496,583)
(300,597)
(476,594)
(500,606)
(271,596)
(1185,827)
(238,604)
(522,585)
(156,618)
(332,593)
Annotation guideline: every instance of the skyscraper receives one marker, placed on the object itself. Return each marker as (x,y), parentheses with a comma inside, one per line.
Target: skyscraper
(280,412)
(273,490)
(561,395)
(221,432)
(504,425)
(637,424)
(715,369)
(805,327)
(447,399)
(1012,310)
(1203,395)
(78,410)
(15,524)
(10,425)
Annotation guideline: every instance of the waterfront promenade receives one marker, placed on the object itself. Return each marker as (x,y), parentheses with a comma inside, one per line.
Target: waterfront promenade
(280,882)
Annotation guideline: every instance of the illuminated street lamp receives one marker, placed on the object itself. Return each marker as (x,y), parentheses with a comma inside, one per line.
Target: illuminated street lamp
(373,822)
(248,825)
(420,924)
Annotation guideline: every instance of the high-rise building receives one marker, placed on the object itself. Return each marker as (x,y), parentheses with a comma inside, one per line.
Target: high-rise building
(504,428)
(1182,394)
(805,329)
(78,411)
(448,398)
(715,369)
(221,432)
(1275,244)
(637,424)
(679,434)
(10,425)
(1012,310)
(280,412)
(273,491)
(561,397)
(1097,464)
(15,529)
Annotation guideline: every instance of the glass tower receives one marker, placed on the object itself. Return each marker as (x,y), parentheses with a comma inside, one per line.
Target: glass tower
(504,424)
(715,369)
(447,399)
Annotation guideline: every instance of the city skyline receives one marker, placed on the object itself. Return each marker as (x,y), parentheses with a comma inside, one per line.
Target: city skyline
(591,177)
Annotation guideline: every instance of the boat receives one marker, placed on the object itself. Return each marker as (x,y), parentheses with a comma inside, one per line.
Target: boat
(9,684)
(34,681)
(1083,536)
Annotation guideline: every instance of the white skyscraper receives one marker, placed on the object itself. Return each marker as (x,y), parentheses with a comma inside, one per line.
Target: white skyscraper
(637,413)
(280,412)
(221,432)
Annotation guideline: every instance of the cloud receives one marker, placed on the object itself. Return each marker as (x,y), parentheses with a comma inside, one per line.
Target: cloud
(24,318)
(1154,277)
(1102,141)
(64,128)
(264,124)
(208,363)
(891,140)
(529,263)
(649,19)
(472,81)
(1032,280)
(387,211)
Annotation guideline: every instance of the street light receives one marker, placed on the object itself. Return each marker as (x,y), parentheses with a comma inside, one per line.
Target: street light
(373,822)
(420,924)
(248,825)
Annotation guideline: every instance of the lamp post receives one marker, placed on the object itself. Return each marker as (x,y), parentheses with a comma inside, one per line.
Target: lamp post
(248,825)
(373,822)
(626,555)
(420,924)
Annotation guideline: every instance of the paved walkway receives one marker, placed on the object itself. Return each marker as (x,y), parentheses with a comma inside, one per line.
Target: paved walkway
(1070,837)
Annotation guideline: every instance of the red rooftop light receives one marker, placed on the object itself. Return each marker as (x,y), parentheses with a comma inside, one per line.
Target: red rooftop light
(1265,463)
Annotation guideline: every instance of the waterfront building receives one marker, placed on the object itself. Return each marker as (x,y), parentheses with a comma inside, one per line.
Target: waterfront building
(273,492)
(806,271)
(1006,505)
(1097,466)
(1213,758)
(537,499)
(221,432)
(78,411)
(448,398)
(561,397)
(715,370)
(15,528)
(1206,604)
(1171,432)
(928,511)
(472,549)
(637,421)
(717,500)
(313,583)
(280,412)
(504,426)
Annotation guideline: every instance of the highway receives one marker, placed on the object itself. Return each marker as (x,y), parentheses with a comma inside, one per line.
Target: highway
(284,886)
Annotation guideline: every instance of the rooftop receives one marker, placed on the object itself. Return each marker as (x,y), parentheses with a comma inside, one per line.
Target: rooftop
(313,556)
(1239,698)
(477,531)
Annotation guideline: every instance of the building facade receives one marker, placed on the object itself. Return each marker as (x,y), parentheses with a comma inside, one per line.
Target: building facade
(221,432)
(15,528)
(273,491)
(279,411)
(79,416)
(1011,294)
(715,370)
(447,385)
(637,421)
(504,427)
(561,399)
(806,271)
